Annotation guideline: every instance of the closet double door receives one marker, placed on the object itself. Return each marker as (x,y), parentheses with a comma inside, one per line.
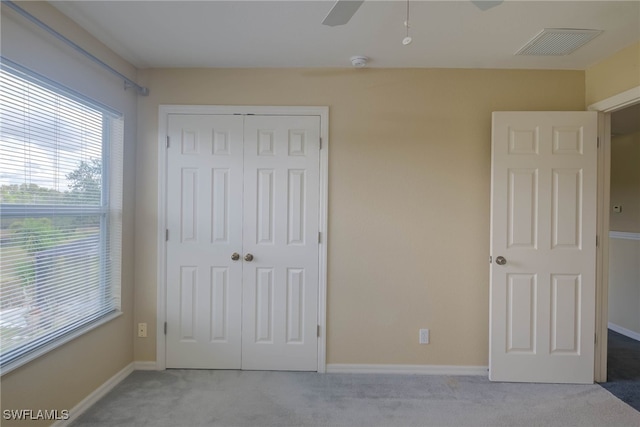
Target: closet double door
(242,249)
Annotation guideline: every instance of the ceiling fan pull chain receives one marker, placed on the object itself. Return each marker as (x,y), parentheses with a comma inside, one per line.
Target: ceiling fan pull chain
(407,39)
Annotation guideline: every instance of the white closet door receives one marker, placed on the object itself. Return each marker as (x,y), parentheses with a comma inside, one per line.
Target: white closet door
(247,186)
(204,219)
(280,290)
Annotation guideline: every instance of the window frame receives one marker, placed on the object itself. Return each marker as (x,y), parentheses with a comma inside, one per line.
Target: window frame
(109,289)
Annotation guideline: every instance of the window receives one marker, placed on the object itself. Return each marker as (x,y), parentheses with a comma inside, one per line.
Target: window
(60,214)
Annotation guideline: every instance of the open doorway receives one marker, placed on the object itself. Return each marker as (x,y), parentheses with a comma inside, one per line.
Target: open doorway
(623,349)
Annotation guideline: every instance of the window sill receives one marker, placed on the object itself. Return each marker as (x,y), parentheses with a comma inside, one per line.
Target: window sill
(23,360)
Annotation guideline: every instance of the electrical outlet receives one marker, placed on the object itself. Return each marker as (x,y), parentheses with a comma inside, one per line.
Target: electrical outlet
(424,336)
(617,208)
(142,330)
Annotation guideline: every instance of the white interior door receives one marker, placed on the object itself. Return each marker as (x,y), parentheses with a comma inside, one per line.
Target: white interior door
(543,247)
(245,186)
(281,233)
(204,220)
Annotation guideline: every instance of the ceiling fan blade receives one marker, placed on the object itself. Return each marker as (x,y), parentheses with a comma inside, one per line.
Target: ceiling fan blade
(341,12)
(486,4)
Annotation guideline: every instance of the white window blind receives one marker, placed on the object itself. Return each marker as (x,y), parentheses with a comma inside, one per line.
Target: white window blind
(60,213)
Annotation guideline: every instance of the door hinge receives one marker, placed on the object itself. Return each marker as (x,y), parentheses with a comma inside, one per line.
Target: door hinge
(319,237)
(167,141)
(165,328)
(166,235)
(321,143)
(597,241)
(598,142)
(595,338)
(318,331)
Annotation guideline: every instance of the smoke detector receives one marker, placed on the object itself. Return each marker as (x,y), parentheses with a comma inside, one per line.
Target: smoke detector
(359,61)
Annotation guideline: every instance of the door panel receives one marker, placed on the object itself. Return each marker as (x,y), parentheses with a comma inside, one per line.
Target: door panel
(281,232)
(204,290)
(543,223)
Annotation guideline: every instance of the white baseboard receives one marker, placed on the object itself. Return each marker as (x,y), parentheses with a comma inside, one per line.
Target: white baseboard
(96,395)
(145,366)
(406,369)
(624,331)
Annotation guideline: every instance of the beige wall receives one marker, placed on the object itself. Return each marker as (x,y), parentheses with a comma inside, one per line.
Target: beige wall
(624,283)
(409,176)
(624,254)
(613,75)
(65,376)
(625,182)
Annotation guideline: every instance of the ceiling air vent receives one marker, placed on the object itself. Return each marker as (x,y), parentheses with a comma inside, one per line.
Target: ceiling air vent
(557,41)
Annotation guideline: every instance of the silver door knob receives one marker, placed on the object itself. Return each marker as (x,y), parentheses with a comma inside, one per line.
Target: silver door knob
(501,260)
(235,256)
(248,257)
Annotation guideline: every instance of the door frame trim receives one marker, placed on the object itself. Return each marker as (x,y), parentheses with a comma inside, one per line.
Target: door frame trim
(605,107)
(163,113)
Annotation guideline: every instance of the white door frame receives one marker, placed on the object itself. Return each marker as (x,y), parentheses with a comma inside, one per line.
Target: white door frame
(163,114)
(605,107)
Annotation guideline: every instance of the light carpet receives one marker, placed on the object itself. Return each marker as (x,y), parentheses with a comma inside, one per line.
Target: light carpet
(193,398)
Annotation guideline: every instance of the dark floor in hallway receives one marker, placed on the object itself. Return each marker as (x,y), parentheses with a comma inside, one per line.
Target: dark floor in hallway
(623,369)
